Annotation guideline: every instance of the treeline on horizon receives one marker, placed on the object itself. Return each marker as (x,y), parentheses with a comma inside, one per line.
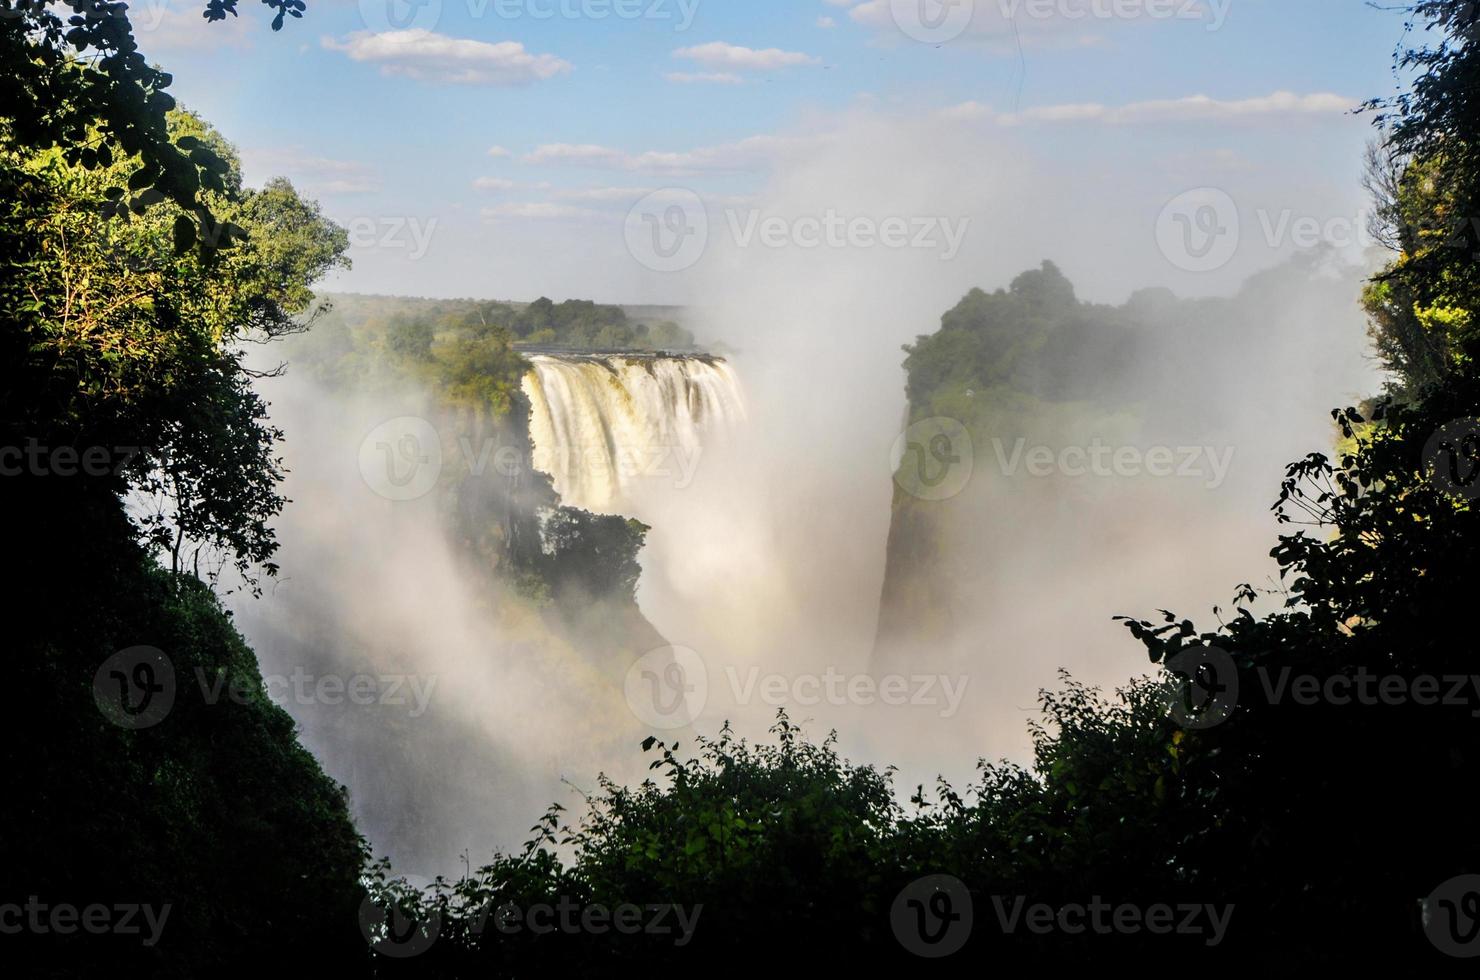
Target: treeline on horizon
(579,324)
(135,261)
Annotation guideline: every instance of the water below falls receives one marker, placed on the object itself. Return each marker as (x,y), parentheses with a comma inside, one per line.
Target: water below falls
(600,424)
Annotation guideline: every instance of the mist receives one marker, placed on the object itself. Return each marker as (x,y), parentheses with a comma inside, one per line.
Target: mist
(769,562)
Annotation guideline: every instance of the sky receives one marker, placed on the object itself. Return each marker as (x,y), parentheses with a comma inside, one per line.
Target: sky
(516,148)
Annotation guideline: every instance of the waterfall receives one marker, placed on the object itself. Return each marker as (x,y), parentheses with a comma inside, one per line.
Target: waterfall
(599,424)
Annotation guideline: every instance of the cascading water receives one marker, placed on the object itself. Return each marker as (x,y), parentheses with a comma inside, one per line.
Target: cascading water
(601,423)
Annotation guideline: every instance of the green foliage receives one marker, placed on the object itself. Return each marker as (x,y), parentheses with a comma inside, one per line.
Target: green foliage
(82,86)
(118,340)
(1425,176)
(1322,824)
(592,555)
(217,810)
(122,316)
(461,355)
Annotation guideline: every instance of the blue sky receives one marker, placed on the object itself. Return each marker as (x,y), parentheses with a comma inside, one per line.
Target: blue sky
(510,137)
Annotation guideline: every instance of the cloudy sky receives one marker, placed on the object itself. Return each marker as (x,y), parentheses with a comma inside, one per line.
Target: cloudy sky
(512,148)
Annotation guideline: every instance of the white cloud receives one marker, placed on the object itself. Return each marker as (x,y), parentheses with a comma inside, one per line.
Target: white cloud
(587,153)
(826,22)
(160,27)
(493,184)
(604,193)
(498,151)
(750,154)
(425,55)
(1005,25)
(718,77)
(311,174)
(537,211)
(1193,108)
(718,54)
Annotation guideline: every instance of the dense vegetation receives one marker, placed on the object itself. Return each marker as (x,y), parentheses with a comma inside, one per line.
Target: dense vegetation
(407,324)
(139,462)
(1324,824)
(460,355)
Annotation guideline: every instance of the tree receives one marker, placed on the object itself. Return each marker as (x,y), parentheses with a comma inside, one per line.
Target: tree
(1426,182)
(119,341)
(82,86)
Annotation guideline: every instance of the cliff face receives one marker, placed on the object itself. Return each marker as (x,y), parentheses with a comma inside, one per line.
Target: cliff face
(1053,444)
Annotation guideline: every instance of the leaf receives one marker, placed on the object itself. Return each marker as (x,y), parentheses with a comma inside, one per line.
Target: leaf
(184,234)
(142,178)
